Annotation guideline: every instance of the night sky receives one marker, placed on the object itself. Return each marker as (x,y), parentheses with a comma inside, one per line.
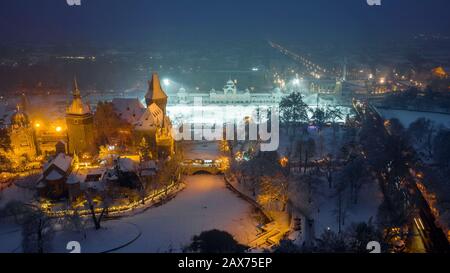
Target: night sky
(120,21)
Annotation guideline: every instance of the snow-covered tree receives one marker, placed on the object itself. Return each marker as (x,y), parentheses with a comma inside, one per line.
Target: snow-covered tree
(293,110)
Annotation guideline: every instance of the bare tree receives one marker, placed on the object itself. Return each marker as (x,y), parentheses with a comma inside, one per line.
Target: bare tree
(105,202)
(37,227)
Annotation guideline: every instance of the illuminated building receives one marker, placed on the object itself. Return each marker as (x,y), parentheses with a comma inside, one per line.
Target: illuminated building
(23,140)
(154,125)
(151,122)
(229,95)
(80,125)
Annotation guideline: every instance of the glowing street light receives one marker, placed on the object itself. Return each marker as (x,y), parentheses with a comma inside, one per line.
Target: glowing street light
(37,125)
(284,161)
(296,81)
(166,82)
(58,129)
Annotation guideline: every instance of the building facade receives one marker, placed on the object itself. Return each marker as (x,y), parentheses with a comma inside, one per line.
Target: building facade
(229,94)
(22,135)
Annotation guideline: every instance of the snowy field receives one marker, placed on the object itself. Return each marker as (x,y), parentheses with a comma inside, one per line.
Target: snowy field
(325,208)
(408,117)
(205,204)
(220,114)
(212,114)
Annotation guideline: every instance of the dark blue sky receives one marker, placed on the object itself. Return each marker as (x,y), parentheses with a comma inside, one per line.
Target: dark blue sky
(202,20)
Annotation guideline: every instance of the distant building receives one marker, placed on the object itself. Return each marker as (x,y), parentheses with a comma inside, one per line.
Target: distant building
(440,72)
(22,135)
(80,125)
(229,95)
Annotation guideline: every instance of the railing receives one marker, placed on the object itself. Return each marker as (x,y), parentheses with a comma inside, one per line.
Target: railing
(114,210)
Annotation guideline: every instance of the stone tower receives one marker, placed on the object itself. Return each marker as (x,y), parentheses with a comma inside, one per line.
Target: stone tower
(80,125)
(156,94)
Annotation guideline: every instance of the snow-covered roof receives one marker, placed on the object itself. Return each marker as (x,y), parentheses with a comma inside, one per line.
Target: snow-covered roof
(54,175)
(151,118)
(128,109)
(125,164)
(150,164)
(149,168)
(74,178)
(62,161)
(148,172)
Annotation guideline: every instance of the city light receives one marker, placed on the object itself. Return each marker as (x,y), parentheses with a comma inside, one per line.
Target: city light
(296,81)
(58,129)
(166,82)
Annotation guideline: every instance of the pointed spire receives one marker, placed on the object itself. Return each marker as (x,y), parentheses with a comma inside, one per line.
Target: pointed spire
(155,93)
(76,91)
(155,90)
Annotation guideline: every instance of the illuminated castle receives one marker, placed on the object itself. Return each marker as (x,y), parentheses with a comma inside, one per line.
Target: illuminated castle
(150,123)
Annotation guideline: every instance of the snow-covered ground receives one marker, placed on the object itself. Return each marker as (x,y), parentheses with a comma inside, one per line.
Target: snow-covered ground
(10,237)
(15,193)
(408,117)
(325,208)
(205,204)
(220,114)
(201,150)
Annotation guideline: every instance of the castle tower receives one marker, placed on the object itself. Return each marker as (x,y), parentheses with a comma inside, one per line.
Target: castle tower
(80,125)
(156,94)
(23,140)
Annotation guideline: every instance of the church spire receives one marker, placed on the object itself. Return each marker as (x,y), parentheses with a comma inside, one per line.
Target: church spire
(76,90)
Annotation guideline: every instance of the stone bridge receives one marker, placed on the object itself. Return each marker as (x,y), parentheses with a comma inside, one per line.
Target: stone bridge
(192,167)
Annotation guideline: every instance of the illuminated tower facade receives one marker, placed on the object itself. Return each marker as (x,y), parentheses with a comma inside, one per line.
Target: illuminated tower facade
(80,125)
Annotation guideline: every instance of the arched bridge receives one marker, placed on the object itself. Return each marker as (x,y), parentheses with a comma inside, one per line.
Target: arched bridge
(196,166)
